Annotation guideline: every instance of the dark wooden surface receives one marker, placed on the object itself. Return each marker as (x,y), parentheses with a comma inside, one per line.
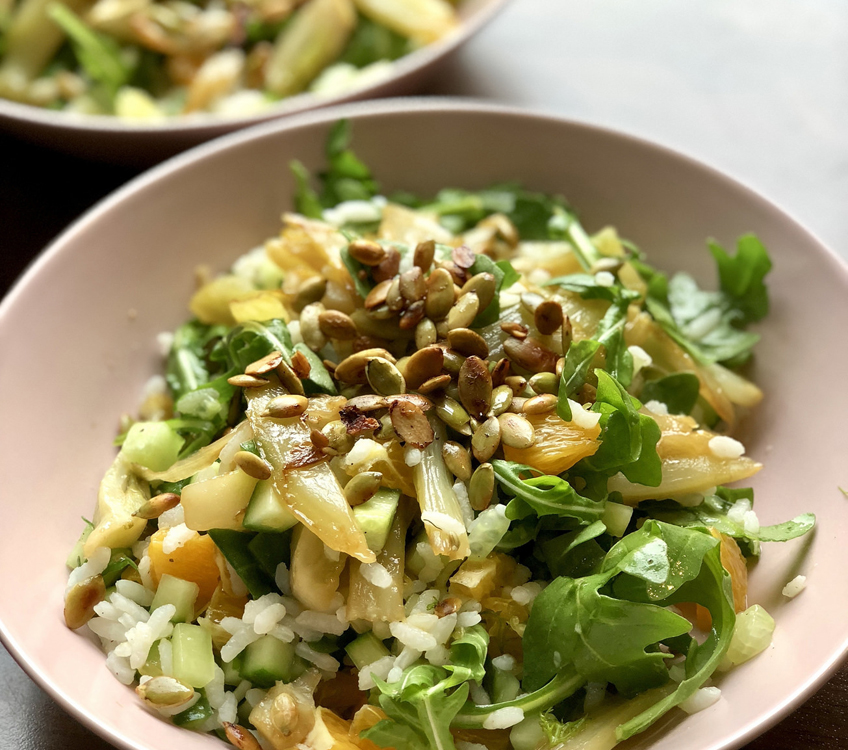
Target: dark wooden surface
(756,88)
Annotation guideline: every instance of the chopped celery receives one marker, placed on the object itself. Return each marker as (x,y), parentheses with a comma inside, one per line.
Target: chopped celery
(616,518)
(504,686)
(194,663)
(154,445)
(266,510)
(366,649)
(194,717)
(182,594)
(375,517)
(235,547)
(267,661)
(232,670)
(153,666)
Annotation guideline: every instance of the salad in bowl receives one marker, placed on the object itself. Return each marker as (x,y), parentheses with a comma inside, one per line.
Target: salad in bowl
(441,473)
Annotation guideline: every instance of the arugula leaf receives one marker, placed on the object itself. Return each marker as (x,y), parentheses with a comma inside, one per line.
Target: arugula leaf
(347,177)
(576,553)
(741,277)
(578,360)
(505,276)
(252,340)
(98,54)
(610,334)
(306,200)
(678,391)
(363,285)
(542,494)
(468,656)
(187,368)
(371,41)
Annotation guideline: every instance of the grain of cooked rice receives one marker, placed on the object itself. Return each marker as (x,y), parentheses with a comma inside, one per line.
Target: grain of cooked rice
(412,456)
(376,574)
(281,578)
(322,661)
(479,697)
(142,636)
(321,622)
(604,278)
(438,656)
(657,407)
(176,537)
(722,446)
(504,662)
(412,636)
(503,718)
(468,619)
(228,711)
(641,358)
(407,657)
(94,566)
(173,517)
(134,591)
(795,586)
(166,657)
(380,669)
(443,628)
(461,492)
(120,667)
(701,699)
(214,689)
(255,696)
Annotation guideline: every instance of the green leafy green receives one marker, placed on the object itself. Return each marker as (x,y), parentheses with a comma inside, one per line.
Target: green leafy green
(347,178)
(578,361)
(252,340)
(188,366)
(742,277)
(542,494)
(306,200)
(371,41)
(678,391)
(98,54)
(505,276)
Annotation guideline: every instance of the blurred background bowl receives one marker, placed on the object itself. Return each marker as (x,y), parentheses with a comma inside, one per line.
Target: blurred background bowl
(78,342)
(108,138)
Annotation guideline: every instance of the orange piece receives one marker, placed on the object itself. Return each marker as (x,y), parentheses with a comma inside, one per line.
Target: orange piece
(559,445)
(365,718)
(331,731)
(341,695)
(734,563)
(193,561)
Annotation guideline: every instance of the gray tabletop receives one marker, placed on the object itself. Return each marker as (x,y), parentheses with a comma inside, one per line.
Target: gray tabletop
(755,87)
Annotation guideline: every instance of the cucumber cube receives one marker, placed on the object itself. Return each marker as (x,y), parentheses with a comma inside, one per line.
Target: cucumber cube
(267,661)
(182,594)
(194,663)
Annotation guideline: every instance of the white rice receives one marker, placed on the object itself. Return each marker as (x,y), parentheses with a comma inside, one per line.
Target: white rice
(241,690)
(412,636)
(412,456)
(438,656)
(461,492)
(795,586)
(604,278)
(468,619)
(144,572)
(395,673)
(176,537)
(215,689)
(478,696)
(164,342)
(380,669)
(141,637)
(166,657)
(504,718)
(321,622)
(242,635)
(281,578)
(322,661)
(268,618)
(723,446)
(134,592)
(94,566)
(228,711)
(156,385)
(657,407)
(407,657)
(444,627)
(120,667)
(526,593)
(702,698)
(505,662)
(254,696)
(173,517)
(641,358)
(751,523)
(376,574)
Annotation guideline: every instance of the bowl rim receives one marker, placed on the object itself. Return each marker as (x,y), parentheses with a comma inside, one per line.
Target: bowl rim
(208,125)
(778,712)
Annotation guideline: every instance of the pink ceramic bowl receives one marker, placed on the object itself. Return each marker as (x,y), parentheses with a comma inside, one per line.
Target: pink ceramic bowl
(77,336)
(110,139)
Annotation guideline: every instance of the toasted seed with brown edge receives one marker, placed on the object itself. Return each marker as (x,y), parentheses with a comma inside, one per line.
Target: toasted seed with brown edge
(457,459)
(388,267)
(541,404)
(413,285)
(587,394)
(501,399)
(319,439)
(457,274)
(462,314)
(412,316)
(367,252)
(500,372)
(440,294)
(384,377)
(247,381)
(352,369)
(290,380)
(463,256)
(300,364)
(411,424)
(266,364)
(560,365)
(517,405)
(355,422)
(475,387)
(516,431)
(253,465)
(424,364)
(165,692)
(567,334)
(447,606)
(377,296)
(330,365)
(335,324)
(531,300)
(504,227)
(361,343)
(468,343)
(424,253)
(517,383)
(548,317)
(486,439)
(369,402)
(530,355)
(311,290)
(425,333)
(544,382)
(394,299)
(452,414)
(481,488)
(81,599)
(434,384)
(515,329)
(453,362)
(362,487)
(422,402)
(157,505)
(484,285)
(240,737)
(288,405)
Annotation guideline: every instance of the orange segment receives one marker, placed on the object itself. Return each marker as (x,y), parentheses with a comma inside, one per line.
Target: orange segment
(734,563)
(365,718)
(559,445)
(194,561)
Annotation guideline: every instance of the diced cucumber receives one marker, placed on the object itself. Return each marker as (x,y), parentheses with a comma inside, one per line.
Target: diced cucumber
(366,649)
(266,511)
(155,445)
(232,671)
(77,557)
(182,594)
(153,666)
(194,663)
(217,503)
(375,517)
(616,518)
(244,709)
(268,660)
(528,735)
(194,717)
(235,547)
(318,380)
(504,686)
(209,472)
(270,548)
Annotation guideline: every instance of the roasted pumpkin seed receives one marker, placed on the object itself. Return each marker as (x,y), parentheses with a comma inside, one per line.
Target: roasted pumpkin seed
(541,404)
(484,285)
(462,314)
(452,414)
(481,488)
(424,364)
(81,600)
(548,317)
(515,329)
(157,505)
(475,387)
(288,405)
(394,299)
(412,316)
(362,487)
(440,294)
(463,256)
(544,382)
(388,267)
(516,431)
(411,424)
(384,377)
(377,296)
(500,372)
(530,355)
(311,290)
(434,384)
(425,333)
(424,253)
(413,285)
(164,692)
(457,459)
(486,439)
(336,325)
(247,381)
(367,252)
(264,365)
(517,383)
(352,369)
(253,465)
(369,402)
(501,399)
(239,737)
(468,343)
(290,380)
